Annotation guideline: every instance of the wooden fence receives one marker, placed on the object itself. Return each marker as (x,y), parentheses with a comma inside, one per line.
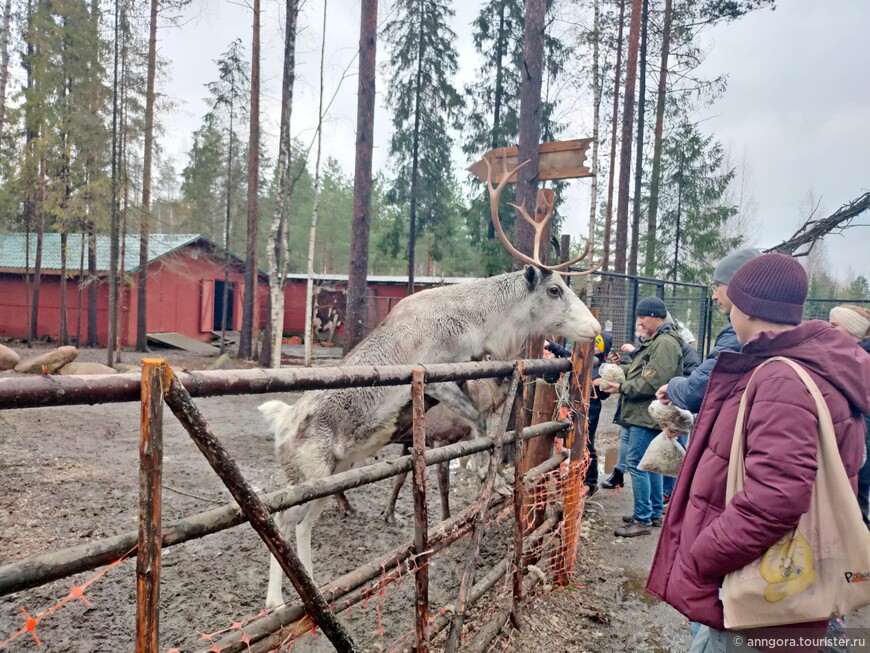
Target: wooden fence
(159,385)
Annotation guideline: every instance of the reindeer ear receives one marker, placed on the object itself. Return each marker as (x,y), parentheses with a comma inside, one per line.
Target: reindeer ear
(530,273)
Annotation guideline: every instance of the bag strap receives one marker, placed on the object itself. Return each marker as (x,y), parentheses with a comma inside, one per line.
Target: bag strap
(827,438)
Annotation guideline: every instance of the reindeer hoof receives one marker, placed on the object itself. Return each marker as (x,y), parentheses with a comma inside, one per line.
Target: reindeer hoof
(389,518)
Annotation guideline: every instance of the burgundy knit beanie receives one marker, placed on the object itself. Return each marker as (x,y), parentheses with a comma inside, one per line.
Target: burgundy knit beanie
(771,287)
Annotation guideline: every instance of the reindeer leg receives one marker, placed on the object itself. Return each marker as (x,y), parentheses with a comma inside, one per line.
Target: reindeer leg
(343,505)
(444,488)
(389,512)
(274,597)
(456,400)
(303,533)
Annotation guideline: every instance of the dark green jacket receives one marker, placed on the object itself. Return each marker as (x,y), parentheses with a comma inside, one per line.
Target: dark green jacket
(655,362)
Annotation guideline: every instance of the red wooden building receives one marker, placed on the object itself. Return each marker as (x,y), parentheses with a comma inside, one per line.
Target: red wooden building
(184,293)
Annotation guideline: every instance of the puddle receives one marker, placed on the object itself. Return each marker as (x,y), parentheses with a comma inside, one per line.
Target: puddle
(633,586)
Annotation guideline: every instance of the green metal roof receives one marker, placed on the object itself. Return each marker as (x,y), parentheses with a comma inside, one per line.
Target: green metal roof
(14,251)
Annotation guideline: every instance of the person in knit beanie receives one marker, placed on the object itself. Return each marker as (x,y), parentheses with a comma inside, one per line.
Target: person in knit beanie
(855,321)
(688,392)
(768,293)
(658,358)
(705,536)
(852,319)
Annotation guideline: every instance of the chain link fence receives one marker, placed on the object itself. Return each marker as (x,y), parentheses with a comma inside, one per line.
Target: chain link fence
(820,309)
(616,296)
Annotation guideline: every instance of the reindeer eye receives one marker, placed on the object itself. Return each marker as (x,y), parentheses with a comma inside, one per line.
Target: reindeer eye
(554,291)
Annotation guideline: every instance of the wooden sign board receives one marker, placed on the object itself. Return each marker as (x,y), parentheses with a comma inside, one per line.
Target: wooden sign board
(557,160)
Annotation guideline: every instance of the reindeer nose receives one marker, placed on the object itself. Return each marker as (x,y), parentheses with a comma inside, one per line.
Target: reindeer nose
(590,329)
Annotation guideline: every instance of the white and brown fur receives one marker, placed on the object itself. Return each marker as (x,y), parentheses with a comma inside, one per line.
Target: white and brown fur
(328,431)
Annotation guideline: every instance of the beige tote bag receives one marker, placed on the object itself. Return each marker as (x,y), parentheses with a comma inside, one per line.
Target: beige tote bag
(819,569)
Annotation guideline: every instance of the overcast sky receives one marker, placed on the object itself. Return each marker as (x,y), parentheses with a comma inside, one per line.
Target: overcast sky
(796,111)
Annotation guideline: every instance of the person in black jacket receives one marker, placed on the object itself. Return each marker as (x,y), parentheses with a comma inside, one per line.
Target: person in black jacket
(603,343)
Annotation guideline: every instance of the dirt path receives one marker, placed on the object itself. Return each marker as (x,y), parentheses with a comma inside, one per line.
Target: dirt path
(69,475)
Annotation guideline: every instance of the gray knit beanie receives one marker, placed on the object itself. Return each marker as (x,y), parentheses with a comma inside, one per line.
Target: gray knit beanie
(728,265)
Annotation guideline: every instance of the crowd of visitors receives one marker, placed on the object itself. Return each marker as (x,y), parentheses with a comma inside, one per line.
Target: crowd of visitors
(752,475)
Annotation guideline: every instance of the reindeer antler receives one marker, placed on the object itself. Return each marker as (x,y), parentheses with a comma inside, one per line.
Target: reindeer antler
(494,198)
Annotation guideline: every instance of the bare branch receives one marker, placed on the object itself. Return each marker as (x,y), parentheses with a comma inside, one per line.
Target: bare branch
(813,230)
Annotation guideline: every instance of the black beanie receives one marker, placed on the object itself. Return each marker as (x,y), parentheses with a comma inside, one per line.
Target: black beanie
(651,307)
(771,287)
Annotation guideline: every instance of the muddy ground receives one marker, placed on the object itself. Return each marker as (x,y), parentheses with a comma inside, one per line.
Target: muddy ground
(69,475)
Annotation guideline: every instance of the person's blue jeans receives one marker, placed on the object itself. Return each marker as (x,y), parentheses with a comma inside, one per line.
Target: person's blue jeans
(645,486)
(668,482)
(622,457)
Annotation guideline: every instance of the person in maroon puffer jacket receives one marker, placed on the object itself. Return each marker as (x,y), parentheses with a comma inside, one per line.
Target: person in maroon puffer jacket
(703,539)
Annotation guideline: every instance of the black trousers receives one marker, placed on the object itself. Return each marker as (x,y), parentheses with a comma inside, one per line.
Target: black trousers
(594,414)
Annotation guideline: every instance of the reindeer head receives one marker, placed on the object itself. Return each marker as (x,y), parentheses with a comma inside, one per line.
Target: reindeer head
(554,308)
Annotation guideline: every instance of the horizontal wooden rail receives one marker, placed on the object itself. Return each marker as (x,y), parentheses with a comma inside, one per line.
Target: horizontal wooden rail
(271,630)
(48,567)
(34,391)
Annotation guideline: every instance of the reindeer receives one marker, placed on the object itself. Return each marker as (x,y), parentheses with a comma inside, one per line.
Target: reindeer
(443,427)
(328,431)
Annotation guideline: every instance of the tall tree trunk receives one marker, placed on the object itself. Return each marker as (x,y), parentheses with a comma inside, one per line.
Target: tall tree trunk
(246,338)
(226,290)
(278,250)
(655,177)
(31,134)
(678,232)
(4,60)
(530,120)
(625,149)
(357,285)
(80,289)
(498,96)
(144,224)
(638,166)
(596,115)
(64,326)
(64,205)
(614,121)
(309,295)
(114,217)
(412,231)
(92,340)
(37,264)
(92,162)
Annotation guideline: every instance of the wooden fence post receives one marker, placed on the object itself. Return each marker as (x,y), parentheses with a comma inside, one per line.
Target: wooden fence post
(150,485)
(421,513)
(182,406)
(461,604)
(519,497)
(577,437)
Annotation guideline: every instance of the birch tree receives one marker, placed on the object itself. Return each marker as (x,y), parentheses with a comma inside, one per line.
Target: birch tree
(277,249)
(309,289)
(423,101)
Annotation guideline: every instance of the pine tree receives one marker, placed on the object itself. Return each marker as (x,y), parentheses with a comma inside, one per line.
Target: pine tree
(491,119)
(357,286)
(213,181)
(423,102)
(693,212)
